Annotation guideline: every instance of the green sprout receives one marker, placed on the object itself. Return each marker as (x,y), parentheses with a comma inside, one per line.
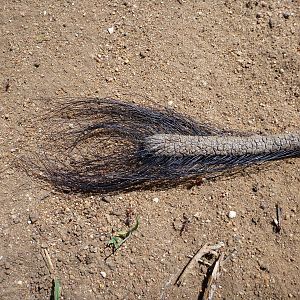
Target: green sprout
(120,237)
(56,288)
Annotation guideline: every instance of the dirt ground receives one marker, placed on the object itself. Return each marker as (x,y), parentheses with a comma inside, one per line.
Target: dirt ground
(234,64)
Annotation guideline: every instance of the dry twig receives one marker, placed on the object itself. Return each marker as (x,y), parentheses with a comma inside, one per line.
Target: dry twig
(48,261)
(206,249)
(212,280)
(278,221)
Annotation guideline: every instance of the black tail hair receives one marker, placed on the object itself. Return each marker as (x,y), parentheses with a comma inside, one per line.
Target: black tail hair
(96,146)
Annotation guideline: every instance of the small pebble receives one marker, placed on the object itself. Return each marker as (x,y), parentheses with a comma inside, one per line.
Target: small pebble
(103,274)
(156,200)
(33,217)
(286,15)
(204,83)
(110,30)
(232,214)
(263,266)
(255,188)
(44,245)
(271,23)
(107,199)
(142,54)
(197,215)
(263,3)
(263,205)
(177,224)
(111,265)
(93,249)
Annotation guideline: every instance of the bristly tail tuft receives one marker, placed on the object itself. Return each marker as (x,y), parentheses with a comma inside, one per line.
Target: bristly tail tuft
(98,146)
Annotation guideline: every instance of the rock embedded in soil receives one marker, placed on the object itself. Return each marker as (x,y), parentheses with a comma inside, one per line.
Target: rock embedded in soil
(232,214)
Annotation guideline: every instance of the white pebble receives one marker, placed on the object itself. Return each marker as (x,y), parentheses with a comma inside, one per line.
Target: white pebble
(110,30)
(198,215)
(204,83)
(156,200)
(103,274)
(232,214)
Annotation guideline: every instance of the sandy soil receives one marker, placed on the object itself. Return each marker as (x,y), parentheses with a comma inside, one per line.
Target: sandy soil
(234,64)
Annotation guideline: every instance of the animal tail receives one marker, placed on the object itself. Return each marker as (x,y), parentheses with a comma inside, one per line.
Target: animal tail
(106,146)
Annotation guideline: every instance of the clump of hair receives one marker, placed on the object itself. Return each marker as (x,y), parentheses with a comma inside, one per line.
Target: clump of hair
(106,145)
